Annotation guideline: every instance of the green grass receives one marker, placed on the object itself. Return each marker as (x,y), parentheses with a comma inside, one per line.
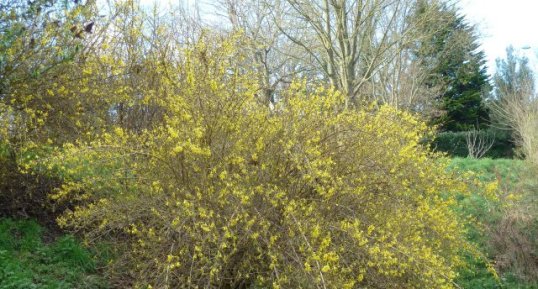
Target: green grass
(27,262)
(514,176)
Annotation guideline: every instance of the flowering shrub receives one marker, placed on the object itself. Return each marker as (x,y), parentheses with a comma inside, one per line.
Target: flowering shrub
(225,192)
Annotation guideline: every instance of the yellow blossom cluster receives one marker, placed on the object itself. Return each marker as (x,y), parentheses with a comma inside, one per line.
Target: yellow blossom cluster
(224,192)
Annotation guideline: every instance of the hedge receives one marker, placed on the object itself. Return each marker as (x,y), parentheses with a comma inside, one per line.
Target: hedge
(455,144)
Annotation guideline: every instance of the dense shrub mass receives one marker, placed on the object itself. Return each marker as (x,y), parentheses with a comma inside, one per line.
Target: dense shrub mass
(198,157)
(455,143)
(23,194)
(225,192)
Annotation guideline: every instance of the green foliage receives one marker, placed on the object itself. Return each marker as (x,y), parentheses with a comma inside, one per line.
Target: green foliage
(455,143)
(451,56)
(509,242)
(488,169)
(27,262)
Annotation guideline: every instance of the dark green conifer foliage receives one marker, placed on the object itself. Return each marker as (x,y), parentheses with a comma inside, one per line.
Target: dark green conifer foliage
(452,55)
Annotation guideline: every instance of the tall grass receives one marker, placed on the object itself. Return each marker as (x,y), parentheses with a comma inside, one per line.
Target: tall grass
(27,262)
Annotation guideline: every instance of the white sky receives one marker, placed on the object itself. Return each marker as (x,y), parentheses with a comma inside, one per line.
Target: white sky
(502,23)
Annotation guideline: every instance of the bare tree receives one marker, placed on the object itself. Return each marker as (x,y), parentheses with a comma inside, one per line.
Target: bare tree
(516,102)
(401,83)
(350,42)
(518,110)
(269,51)
(478,143)
(363,48)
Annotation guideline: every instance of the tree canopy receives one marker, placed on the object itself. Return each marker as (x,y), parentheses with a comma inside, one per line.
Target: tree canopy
(450,52)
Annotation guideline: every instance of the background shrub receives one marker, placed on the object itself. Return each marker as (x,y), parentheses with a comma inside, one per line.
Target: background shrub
(454,143)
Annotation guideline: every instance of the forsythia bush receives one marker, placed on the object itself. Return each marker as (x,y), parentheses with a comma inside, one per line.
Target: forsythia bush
(227,193)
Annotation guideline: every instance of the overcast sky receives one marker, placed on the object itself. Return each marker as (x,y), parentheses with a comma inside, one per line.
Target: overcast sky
(502,23)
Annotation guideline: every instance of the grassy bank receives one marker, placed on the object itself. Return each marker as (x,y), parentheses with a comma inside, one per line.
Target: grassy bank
(506,228)
(31,258)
